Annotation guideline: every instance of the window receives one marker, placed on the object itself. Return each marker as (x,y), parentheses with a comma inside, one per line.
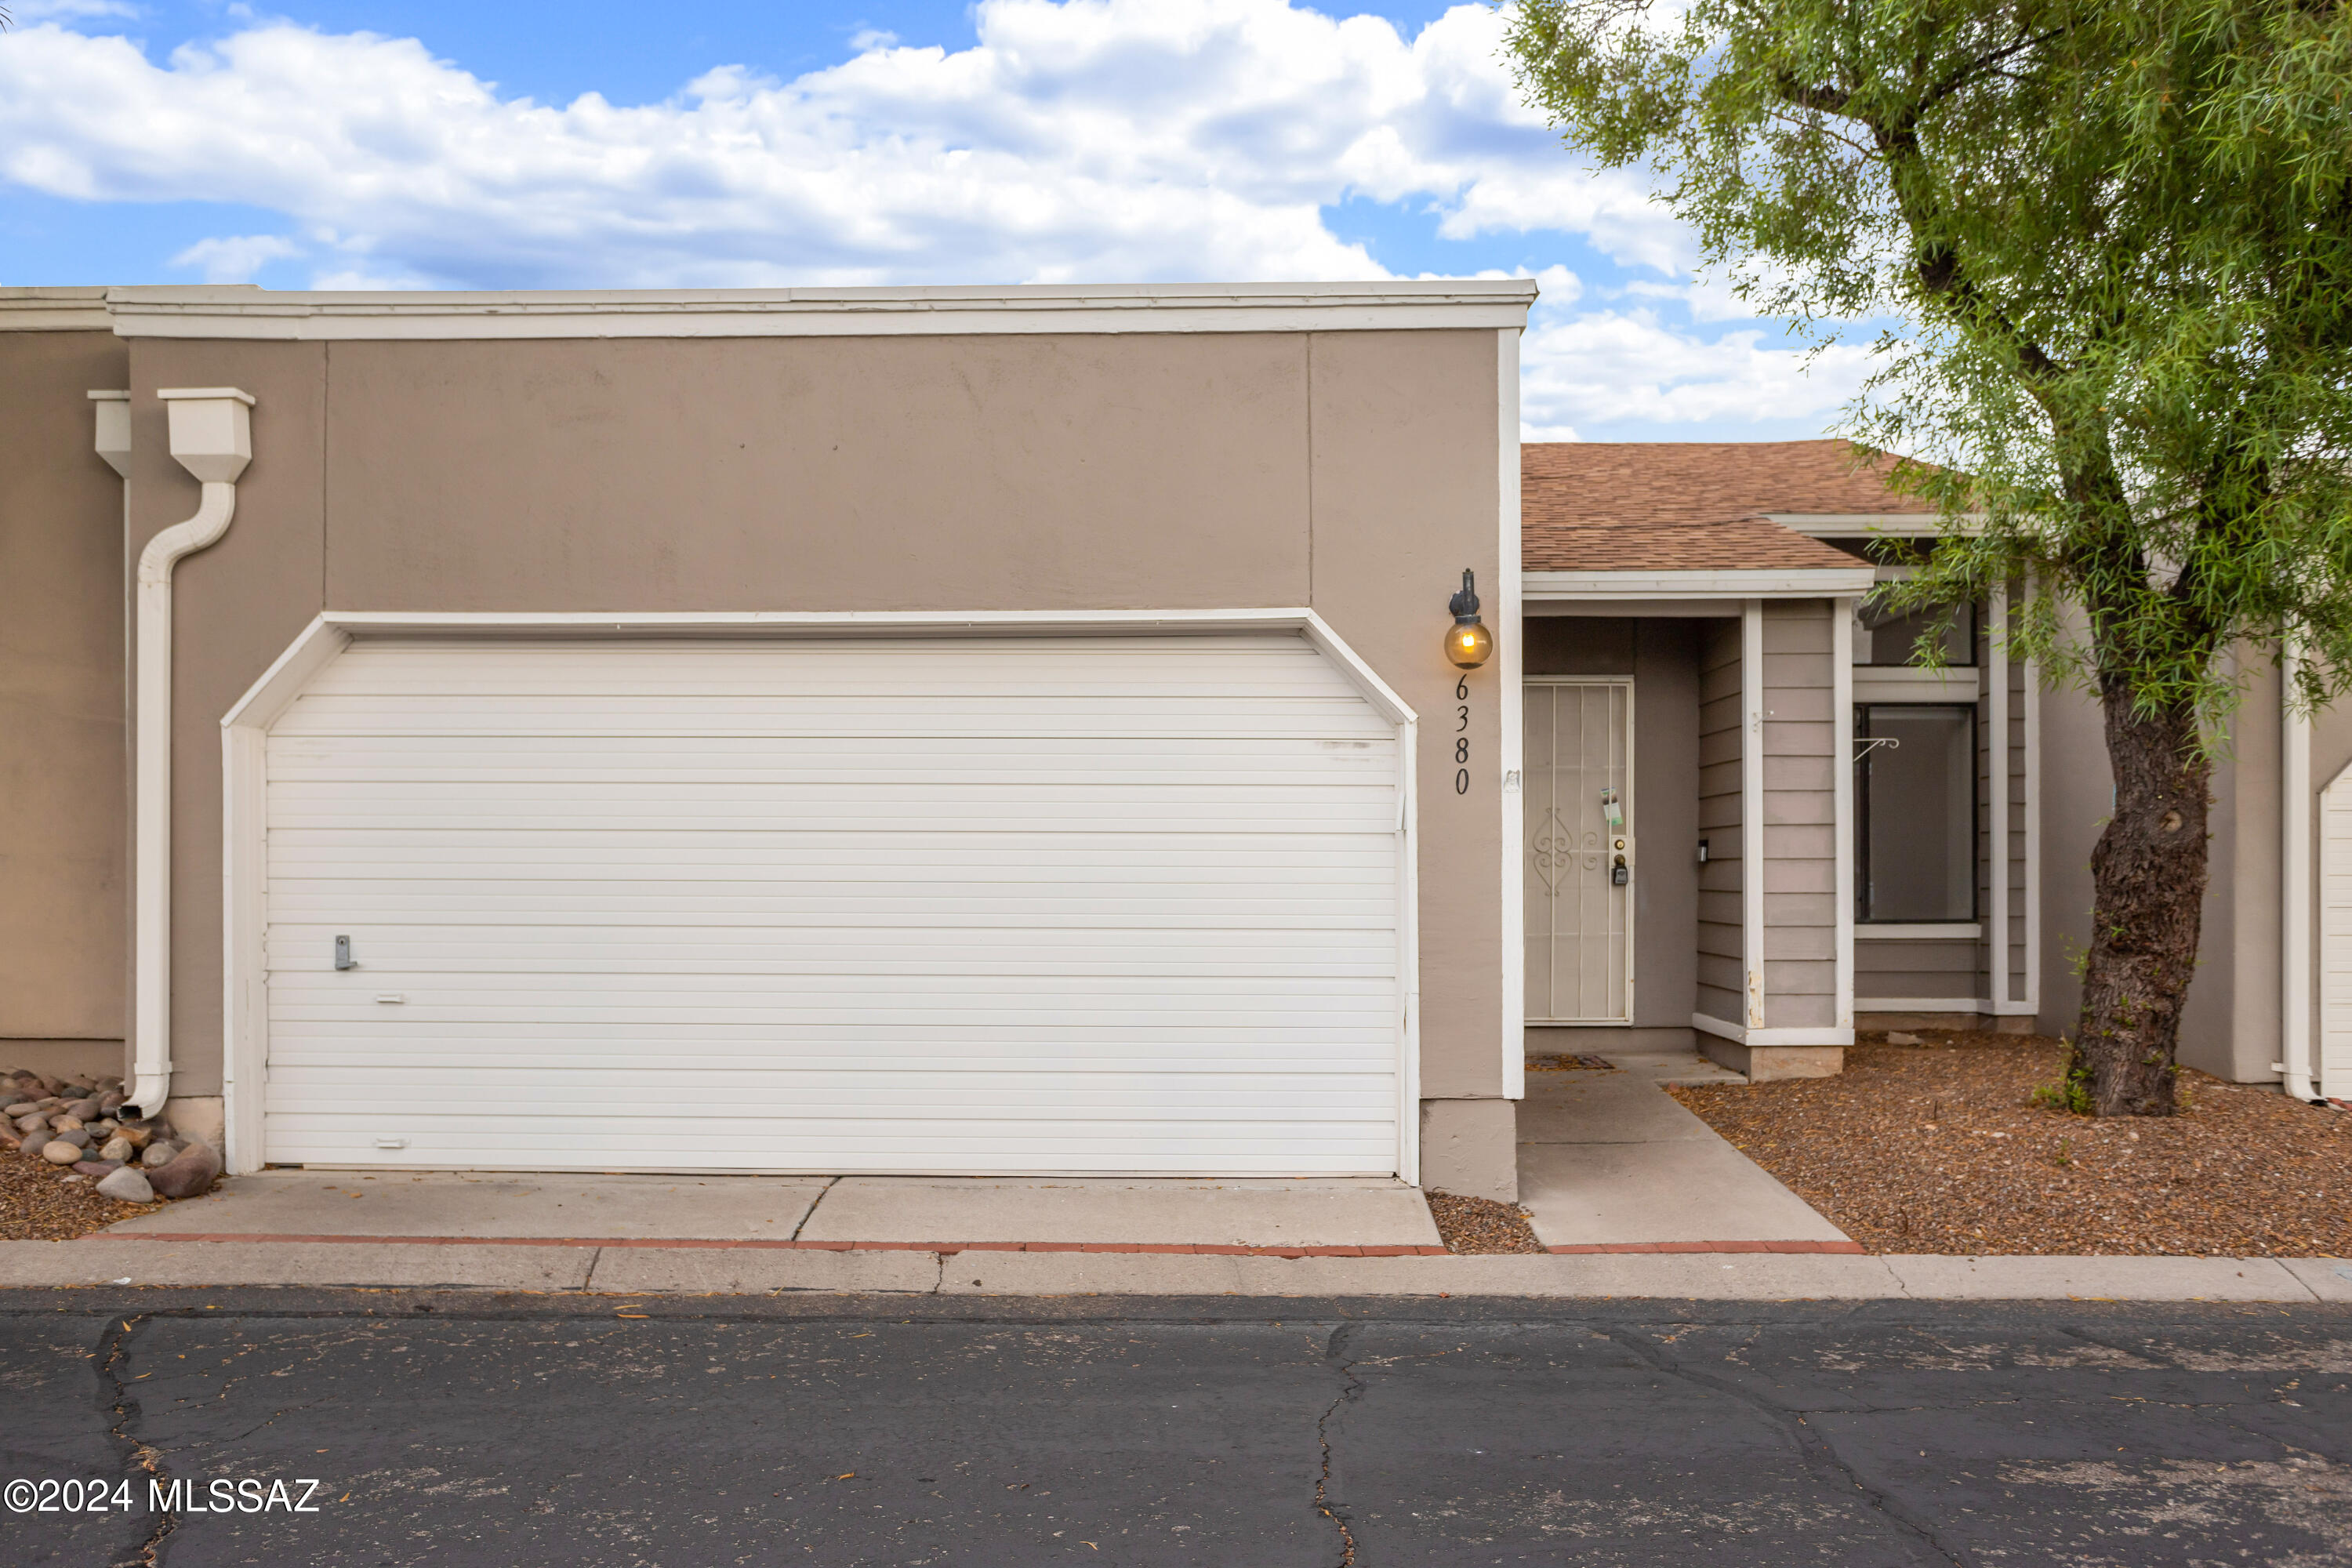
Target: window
(1915,812)
(1883,637)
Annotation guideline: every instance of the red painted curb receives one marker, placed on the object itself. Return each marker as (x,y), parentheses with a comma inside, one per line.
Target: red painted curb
(949,1248)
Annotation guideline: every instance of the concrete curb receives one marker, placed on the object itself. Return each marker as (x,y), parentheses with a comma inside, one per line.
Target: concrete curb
(640,1269)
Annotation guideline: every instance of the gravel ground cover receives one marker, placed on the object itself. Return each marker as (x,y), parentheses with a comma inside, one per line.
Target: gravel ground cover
(1939,1147)
(1481,1224)
(37,1205)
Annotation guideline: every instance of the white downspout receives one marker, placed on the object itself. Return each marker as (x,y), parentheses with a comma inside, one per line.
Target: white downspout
(2295,882)
(212,436)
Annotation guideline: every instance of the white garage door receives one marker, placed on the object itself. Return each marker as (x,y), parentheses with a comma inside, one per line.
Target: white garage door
(1073,904)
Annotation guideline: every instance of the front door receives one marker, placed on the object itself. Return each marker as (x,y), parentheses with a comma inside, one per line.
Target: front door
(1579,850)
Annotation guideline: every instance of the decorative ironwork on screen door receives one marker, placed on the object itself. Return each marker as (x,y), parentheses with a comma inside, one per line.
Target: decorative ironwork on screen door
(1579,838)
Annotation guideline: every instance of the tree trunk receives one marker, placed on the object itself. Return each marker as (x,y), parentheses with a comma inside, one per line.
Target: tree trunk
(2148,896)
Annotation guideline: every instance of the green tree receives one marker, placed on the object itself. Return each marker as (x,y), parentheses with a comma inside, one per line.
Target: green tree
(2118,235)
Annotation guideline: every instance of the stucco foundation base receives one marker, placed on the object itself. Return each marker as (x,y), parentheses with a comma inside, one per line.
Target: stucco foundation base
(82,1059)
(1762,1063)
(1982,1022)
(1471,1147)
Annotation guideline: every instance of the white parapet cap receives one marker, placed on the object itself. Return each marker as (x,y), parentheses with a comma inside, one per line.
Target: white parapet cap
(43,310)
(201,312)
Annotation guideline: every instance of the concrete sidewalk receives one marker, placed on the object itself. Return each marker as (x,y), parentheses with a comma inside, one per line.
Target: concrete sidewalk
(754,1268)
(1609,1159)
(883,1212)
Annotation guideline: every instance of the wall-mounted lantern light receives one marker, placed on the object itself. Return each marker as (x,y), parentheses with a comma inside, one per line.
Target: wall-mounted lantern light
(1467,643)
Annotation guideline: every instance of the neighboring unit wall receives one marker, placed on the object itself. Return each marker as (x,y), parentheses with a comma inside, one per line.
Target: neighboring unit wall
(63,833)
(1661,655)
(1720,984)
(1799,818)
(2230,1025)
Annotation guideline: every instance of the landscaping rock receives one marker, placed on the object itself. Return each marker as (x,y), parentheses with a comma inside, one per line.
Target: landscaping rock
(111,1101)
(128,1185)
(35,1124)
(96,1168)
(73,1135)
(158,1154)
(85,1110)
(32,1146)
(136,1134)
(117,1150)
(189,1174)
(58,1152)
(67,1123)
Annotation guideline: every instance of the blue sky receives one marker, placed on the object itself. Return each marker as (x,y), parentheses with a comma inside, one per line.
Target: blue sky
(370,143)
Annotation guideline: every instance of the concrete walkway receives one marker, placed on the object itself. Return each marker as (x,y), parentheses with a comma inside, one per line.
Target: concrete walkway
(1609,1159)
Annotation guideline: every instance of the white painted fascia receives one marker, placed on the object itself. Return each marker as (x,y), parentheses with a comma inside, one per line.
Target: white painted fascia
(1802,1035)
(1867,524)
(213,312)
(1826,583)
(211,437)
(244,783)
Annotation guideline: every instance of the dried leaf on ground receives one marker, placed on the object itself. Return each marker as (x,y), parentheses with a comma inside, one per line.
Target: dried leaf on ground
(1939,1147)
(1481,1224)
(37,1203)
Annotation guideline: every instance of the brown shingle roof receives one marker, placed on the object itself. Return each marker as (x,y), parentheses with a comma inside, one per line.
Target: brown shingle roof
(1688,506)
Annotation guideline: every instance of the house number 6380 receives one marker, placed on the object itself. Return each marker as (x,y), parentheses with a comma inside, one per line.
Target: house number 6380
(1461,736)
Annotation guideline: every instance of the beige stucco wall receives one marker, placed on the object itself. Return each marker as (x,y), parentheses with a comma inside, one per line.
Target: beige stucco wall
(2229,1026)
(1354,472)
(63,855)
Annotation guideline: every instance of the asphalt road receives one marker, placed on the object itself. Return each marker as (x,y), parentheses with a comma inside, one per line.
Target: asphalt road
(470,1429)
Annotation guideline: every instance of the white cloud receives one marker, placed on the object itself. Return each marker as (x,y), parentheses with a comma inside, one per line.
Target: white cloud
(235,258)
(1103,138)
(1097,139)
(1613,367)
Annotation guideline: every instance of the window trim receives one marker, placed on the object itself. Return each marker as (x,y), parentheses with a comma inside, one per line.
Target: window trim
(1960,927)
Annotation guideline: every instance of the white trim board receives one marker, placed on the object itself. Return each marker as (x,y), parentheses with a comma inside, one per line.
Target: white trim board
(1827,583)
(1511,743)
(1787,1037)
(203,311)
(245,781)
(1929,930)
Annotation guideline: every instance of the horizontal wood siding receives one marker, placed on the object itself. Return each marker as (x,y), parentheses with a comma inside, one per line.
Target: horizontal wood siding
(1800,817)
(1720,981)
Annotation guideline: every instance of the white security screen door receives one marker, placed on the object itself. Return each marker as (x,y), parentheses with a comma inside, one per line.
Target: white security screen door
(1579,837)
(1085,903)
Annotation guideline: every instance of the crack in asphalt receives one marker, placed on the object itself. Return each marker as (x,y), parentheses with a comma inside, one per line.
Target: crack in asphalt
(1818,1453)
(1336,1357)
(139,1455)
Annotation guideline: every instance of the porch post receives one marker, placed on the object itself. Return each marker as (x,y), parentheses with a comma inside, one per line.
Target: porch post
(1842,792)
(1752,810)
(1997,791)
